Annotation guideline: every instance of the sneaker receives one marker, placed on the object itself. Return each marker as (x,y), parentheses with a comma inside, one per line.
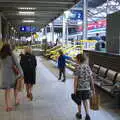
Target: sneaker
(59,78)
(78,115)
(87,117)
(63,80)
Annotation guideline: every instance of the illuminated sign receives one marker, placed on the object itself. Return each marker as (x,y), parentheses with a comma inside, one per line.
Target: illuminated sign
(29,29)
(76,15)
(96,25)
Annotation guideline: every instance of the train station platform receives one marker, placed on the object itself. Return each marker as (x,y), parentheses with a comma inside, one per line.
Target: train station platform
(52,99)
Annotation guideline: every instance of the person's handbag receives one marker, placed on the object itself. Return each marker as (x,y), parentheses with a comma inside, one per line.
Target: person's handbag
(95,102)
(20,84)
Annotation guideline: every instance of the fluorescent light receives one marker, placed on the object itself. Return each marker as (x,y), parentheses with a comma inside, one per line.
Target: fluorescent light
(26,13)
(12,28)
(28,21)
(26,8)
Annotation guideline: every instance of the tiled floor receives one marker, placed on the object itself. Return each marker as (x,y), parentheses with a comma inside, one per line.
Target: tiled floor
(51,99)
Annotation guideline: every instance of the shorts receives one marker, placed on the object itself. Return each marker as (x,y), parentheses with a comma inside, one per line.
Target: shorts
(80,96)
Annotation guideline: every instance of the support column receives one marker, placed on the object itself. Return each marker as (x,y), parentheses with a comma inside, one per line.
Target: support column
(63,39)
(52,31)
(65,30)
(85,6)
(113,33)
(0,27)
(66,42)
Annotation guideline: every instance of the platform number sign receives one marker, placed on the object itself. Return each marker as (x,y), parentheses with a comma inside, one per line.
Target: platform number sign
(78,15)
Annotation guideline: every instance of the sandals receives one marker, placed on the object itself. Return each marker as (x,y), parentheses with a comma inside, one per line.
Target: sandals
(17,103)
(31,97)
(8,109)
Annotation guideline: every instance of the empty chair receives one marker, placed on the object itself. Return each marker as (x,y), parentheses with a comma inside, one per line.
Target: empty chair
(115,90)
(102,73)
(110,78)
(95,68)
(117,78)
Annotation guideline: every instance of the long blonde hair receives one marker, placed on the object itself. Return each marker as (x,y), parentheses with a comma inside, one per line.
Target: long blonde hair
(28,50)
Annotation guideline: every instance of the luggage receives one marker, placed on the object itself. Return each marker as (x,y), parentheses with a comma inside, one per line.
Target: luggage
(95,102)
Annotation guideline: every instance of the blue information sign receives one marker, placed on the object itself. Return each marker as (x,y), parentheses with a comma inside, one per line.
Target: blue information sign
(76,15)
(29,29)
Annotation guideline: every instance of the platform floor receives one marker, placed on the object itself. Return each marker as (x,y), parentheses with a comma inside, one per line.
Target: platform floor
(52,99)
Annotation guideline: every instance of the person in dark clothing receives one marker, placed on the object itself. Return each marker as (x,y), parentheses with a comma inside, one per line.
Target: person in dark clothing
(100,45)
(61,65)
(28,64)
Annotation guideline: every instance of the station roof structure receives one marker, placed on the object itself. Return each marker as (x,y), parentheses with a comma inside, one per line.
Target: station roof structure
(42,12)
(35,12)
(98,9)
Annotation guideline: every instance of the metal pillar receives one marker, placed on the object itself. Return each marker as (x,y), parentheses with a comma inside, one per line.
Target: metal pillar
(85,6)
(52,31)
(66,42)
(0,27)
(65,30)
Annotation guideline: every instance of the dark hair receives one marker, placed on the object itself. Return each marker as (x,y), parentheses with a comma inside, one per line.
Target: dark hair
(81,58)
(97,34)
(61,52)
(5,51)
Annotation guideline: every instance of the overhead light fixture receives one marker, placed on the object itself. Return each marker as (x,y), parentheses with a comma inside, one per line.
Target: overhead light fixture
(28,21)
(26,8)
(12,28)
(26,13)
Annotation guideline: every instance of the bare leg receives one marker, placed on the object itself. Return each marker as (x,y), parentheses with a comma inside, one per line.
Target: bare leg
(30,88)
(27,89)
(79,108)
(16,95)
(8,101)
(30,91)
(78,114)
(85,103)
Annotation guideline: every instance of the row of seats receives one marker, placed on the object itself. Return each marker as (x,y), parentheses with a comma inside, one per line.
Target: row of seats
(105,78)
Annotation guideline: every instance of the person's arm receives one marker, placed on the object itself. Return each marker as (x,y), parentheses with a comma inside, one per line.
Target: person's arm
(75,84)
(92,84)
(76,75)
(92,80)
(17,64)
(67,57)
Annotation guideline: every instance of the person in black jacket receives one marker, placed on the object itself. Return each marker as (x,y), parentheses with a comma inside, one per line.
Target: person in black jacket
(28,63)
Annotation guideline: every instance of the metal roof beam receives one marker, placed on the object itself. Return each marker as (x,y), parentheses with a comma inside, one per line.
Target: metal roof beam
(39,2)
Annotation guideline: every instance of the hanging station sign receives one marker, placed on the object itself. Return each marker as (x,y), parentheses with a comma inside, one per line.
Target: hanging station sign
(28,29)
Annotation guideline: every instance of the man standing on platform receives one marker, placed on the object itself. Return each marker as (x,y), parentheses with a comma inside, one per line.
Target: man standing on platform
(62,64)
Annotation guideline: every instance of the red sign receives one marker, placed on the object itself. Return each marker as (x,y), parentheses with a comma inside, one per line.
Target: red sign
(95,25)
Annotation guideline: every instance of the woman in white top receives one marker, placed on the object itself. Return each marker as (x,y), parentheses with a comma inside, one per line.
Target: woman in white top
(83,81)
